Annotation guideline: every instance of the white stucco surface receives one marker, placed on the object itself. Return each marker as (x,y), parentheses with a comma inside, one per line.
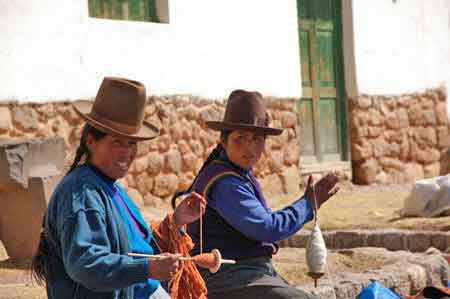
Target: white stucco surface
(401,45)
(51,50)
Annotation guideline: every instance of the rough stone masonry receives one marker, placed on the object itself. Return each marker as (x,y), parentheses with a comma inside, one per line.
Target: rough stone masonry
(393,139)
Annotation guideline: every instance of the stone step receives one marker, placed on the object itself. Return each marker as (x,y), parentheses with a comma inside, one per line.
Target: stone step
(391,239)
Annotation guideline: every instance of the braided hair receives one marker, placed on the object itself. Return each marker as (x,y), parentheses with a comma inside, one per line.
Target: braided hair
(82,149)
(212,156)
(41,270)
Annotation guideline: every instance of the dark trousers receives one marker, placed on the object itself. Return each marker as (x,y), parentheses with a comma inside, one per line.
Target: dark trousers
(262,292)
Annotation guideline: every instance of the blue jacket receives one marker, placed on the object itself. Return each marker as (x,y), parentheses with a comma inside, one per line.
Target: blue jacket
(237,220)
(89,242)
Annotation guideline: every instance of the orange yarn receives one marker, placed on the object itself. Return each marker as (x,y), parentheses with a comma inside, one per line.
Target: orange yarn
(187,283)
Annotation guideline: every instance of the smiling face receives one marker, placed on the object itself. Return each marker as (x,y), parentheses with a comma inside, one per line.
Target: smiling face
(112,155)
(244,148)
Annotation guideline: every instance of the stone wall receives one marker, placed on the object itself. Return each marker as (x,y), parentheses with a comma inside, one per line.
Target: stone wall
(169,162)
(399,139)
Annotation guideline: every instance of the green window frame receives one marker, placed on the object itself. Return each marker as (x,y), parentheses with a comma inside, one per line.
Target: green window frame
(131,10)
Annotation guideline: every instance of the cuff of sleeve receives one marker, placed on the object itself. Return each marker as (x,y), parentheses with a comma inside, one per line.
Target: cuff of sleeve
(138,268)
(306,206)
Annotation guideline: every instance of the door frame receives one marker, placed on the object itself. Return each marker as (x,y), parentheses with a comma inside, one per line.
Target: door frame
(340,79)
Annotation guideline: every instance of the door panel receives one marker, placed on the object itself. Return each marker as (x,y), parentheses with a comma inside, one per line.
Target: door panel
(305,56)
(320,107)
(326,58)
(328,129)
(306,128)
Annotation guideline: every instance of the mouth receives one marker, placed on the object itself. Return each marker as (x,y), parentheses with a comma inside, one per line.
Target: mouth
(123,165)
(249,157)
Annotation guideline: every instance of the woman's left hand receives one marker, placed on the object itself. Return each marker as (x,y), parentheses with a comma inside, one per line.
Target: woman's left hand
(189,209)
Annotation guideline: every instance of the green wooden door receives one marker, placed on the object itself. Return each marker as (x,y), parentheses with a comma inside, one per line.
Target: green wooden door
(322,105)
(133,10)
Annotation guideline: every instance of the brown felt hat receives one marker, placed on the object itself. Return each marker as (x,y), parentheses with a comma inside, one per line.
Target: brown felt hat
(245,111)
(119,109)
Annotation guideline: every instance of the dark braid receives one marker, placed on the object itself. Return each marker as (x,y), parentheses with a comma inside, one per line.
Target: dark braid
(41,270)
(212,156)
(82,148)
(40,264)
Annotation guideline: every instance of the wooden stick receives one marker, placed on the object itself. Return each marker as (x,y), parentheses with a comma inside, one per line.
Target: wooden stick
(201,230)
(157,256)
(183,258)
(225,261)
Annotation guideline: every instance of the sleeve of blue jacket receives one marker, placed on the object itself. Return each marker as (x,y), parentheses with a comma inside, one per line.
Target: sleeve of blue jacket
(86,247)
(234,200)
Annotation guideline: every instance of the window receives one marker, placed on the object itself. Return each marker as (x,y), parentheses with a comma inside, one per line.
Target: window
(133,10)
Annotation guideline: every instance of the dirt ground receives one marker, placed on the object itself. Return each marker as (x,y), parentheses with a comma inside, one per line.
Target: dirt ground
(353,207)
(291,263)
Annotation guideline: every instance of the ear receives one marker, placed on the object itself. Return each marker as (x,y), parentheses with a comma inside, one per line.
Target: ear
(90,143)
(223,141)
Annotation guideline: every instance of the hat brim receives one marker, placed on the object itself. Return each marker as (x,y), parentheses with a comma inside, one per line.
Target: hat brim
(226,126)
(146,132)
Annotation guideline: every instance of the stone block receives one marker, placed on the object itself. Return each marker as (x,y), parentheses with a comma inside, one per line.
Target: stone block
(418,241)
(441,113)
(380,147)
(29,172)
(21,215)
(276,161)
(349,239)
(5,120)
(291,153)
(415,114)
(392,121)
(440,240)
(298,240)
(173,160)
(22,159)
(366,173)
(361,150)
(321,292)
(393,240)
(364,102)
(155,162)
(165,185)
(443,136)
(429,117)
(414,172)
(152,201)
(139,165)
(432,170)
(189,161)
(288,119)
(290,177)
(375,118)
(25,117)
(402,116)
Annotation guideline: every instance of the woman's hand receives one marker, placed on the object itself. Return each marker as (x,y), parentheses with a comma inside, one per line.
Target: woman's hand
(164,268)
(189,209)
(325,188)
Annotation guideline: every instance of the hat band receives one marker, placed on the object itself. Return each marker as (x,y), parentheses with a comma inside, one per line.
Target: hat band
(261,122)
(126,129)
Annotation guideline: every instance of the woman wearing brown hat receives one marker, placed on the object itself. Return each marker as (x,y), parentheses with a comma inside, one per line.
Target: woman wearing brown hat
(237,220)
(91,224)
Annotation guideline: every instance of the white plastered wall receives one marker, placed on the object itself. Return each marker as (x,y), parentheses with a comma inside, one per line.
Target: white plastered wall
(400,46)
(51,50)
